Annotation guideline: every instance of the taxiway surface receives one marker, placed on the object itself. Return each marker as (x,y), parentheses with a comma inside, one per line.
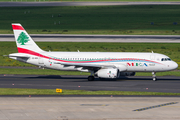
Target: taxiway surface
(134,83)
(18,4)
(98,38)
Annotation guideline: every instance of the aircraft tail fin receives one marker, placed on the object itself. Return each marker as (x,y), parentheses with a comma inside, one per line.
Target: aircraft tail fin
(24,42)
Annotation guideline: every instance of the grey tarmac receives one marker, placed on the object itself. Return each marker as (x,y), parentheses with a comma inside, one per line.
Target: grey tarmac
(20,4)
(131,83)
(88,108)
(98,38)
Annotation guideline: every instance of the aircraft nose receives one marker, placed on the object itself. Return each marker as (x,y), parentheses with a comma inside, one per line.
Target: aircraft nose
(174,65)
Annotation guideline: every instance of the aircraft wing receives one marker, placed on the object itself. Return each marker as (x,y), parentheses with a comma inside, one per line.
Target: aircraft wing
(87,66)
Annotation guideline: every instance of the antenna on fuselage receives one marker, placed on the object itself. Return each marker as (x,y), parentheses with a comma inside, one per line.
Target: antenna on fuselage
(152,52)
(78,50)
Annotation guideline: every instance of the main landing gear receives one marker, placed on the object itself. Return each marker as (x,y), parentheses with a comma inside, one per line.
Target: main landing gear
(154,76)
(91,77)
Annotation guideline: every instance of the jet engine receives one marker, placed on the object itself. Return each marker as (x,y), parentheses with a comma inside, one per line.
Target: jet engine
(107,73)
(127,73)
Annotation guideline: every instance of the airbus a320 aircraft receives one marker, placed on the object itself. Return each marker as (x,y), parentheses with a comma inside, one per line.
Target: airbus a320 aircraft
(99,64)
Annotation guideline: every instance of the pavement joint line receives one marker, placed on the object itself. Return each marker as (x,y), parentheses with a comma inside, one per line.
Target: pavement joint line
(94,105)
(161,105)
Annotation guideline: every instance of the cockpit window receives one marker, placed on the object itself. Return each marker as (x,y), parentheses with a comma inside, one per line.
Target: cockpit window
(165,59)
(169,59)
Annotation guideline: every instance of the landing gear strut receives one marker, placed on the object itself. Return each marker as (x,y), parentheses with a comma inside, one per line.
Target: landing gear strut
(154,76)
(91,77)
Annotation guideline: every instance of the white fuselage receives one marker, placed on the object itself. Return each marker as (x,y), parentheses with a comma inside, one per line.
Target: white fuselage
(124,61)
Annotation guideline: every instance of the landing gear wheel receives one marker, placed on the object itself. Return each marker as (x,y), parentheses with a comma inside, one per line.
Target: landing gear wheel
(90,78)
(154,76)
(154,79)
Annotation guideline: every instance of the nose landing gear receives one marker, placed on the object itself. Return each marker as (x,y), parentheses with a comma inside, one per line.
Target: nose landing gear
(154,76)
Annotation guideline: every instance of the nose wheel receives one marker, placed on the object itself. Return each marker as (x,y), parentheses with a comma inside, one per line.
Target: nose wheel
(154,76)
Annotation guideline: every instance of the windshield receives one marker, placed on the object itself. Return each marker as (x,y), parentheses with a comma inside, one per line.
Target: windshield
(165,59)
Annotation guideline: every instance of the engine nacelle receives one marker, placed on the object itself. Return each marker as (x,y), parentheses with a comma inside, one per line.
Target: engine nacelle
(108,73)
(127,73)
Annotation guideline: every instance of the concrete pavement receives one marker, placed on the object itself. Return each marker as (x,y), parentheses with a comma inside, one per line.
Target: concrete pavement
(88,108)
(98,38)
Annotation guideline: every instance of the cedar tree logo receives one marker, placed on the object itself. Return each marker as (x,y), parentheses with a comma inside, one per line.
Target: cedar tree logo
(23,38)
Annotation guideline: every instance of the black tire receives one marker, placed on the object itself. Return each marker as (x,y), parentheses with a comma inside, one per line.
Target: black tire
(154,79)
(90,78)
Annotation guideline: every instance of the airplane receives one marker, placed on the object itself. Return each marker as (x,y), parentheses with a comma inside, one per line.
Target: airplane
(99,64)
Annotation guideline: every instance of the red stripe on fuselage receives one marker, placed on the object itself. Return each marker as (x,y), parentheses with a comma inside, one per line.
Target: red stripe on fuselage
(22,50)
(17,27)
(153,61)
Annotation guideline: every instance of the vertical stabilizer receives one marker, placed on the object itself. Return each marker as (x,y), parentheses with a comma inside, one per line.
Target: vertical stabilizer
(24,42)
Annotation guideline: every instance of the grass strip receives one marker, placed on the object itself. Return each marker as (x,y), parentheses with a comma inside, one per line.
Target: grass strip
(7,71)
(20,91)
(130,19)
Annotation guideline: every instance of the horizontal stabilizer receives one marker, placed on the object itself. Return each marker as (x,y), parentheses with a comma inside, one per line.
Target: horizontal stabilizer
(19,55)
